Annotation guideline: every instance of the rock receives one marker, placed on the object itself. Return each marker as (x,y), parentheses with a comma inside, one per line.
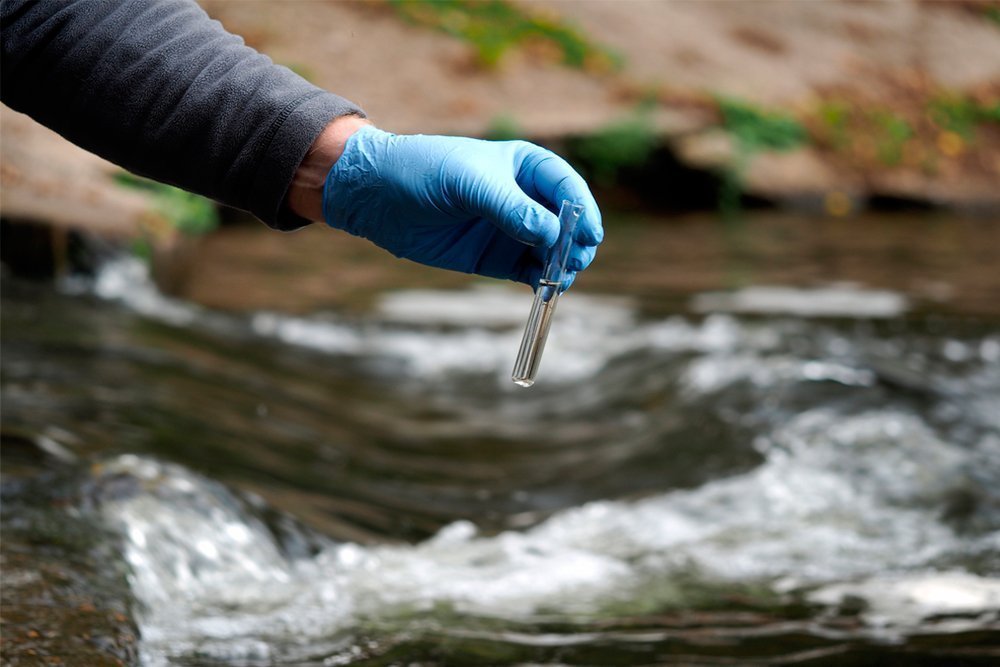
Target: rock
(802,171)
(712,149)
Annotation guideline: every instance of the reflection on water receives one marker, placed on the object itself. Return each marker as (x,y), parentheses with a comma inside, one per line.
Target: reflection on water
(368,487)
(947,262)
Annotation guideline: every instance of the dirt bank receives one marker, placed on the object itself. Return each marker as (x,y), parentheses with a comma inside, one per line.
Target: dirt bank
(885,63)
(881,57)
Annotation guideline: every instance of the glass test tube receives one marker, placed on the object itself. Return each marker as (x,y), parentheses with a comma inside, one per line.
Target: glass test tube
(546,297)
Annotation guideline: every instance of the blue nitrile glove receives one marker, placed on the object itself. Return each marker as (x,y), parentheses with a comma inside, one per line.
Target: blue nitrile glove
(464,204)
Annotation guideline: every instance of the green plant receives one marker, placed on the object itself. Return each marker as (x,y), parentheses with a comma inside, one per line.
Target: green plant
(753,130)
(756,129)
(834,117)
(990,114)
(992,13)
(894,131)
(619,145)
(142,249)
(188,213)
(960,114)
(493,27)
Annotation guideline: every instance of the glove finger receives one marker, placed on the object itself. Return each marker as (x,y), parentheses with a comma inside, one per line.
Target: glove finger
(580,257)
(548,178)
(540,253)
(503,203)
(529,273)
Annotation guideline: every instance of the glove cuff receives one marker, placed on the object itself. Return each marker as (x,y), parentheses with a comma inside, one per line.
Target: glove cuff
(349,183)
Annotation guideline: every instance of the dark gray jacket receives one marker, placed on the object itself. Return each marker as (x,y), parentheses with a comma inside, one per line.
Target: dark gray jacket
(163,90)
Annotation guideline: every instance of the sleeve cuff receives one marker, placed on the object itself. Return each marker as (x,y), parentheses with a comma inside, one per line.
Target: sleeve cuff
(294,131)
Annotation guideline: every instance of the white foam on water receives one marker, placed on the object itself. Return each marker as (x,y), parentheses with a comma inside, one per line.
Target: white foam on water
(491,306)
(844,504)
(588,334)
(435,334)
(830,301)
(410,327)
(907,599)
(325,335)
(127,280)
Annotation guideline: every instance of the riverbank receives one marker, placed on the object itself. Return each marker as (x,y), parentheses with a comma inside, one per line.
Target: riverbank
(836,106)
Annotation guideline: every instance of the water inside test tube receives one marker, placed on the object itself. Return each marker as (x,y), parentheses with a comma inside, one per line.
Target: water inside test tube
(535,333)
(546,296)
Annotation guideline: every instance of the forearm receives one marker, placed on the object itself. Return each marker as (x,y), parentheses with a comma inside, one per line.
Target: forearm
(166,92)
(305,195)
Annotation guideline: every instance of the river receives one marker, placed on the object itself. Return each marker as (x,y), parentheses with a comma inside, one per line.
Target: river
(775,441)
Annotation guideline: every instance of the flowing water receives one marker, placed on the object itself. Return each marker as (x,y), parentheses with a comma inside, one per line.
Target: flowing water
(722,462)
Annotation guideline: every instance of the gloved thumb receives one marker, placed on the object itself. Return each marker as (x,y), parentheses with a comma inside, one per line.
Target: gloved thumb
(519,216)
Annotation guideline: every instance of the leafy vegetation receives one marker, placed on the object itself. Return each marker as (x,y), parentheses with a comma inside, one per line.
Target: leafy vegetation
(755,129)
(992,13)
(961,114)
(494,27)
(919,129)
(188,213)
(834,116)
(894,131)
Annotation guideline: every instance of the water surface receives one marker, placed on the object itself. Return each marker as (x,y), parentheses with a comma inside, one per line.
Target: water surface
(767,444)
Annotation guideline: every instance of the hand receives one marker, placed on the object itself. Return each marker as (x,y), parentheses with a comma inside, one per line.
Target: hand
(462,204)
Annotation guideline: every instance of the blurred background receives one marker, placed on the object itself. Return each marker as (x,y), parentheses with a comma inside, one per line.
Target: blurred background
(766,429)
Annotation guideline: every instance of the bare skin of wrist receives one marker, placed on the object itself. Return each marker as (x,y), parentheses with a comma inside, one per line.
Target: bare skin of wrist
(305,194)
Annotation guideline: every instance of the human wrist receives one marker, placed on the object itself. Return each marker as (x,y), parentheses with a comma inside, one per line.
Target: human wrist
(305,194)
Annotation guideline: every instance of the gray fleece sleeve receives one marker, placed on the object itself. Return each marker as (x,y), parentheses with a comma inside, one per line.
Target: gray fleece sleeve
(163,90)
